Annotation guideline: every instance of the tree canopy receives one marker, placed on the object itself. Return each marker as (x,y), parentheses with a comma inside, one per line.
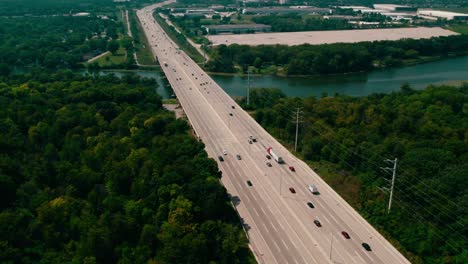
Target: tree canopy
(94,170)
(347,139)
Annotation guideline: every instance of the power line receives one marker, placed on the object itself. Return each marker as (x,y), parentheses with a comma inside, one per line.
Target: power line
(298,112)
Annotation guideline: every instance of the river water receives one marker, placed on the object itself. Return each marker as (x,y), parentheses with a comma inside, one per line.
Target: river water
(358,84)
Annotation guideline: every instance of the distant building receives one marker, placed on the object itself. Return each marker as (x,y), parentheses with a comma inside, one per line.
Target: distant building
(286,10)
(354,8)
(239,28)
(395,8)
(434,14)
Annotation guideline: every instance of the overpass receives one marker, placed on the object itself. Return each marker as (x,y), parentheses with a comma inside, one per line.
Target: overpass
(272,201)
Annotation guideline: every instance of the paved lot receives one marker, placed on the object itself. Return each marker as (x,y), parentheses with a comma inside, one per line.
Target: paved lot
(335,36)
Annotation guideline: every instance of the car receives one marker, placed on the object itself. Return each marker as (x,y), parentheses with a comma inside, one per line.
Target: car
(291,189)
(250,141)
(366,246)
(268,164)
(233,107)
(311,205)
(249,183)
(224,152)
(268,156)
(230,114)
(317,223)
(238,157)
(254,139)
(291,168)
(220,158)
(345,234)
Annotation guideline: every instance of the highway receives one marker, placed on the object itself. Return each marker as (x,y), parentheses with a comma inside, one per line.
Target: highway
(279,223)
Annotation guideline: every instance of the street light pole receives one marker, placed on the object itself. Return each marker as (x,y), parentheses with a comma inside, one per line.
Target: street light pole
(248,86)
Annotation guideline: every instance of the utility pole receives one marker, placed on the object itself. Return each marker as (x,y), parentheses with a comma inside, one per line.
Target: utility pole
(298,111)
(393,170)
(248,86)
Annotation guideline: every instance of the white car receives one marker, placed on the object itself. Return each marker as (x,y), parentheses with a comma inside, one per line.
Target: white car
(224,152)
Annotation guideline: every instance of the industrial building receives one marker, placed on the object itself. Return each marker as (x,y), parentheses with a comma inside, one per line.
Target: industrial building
(434,14)
(239,28)
(286,10)
(395,8)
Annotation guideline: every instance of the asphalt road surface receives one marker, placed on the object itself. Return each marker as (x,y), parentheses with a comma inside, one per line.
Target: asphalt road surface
(279,223)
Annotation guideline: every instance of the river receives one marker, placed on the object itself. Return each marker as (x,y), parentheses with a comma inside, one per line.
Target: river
(358,84)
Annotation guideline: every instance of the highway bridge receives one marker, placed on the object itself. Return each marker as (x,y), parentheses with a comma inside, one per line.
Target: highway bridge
(273,201)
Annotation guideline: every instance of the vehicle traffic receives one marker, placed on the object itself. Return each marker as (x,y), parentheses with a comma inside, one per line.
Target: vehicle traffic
(277,158)
(317,223)
(313,189)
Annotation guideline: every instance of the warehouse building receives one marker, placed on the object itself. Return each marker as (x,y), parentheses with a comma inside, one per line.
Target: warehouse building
(434,14)
(395,8)
(286,10)
(239,28)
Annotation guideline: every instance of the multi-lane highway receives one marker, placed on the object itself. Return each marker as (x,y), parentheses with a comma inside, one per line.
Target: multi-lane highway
(280,223)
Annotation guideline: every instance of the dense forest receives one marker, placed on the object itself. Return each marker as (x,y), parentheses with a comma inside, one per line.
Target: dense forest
(54,41)
(57,7)
(333,58)
(347,140)
(93,170)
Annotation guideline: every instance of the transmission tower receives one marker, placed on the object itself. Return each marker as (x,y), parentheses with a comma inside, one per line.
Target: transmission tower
(393,170)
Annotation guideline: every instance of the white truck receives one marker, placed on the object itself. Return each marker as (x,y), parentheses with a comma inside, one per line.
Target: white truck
(313,189)
(274,156)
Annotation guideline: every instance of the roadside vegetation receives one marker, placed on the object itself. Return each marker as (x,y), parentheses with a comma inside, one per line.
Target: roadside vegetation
(333,58)
(94,170)
(179,38)
(142,48)
(347,139)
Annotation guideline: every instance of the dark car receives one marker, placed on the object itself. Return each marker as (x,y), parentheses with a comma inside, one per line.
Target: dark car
(238,157)
(291,168)
(268,164)
(268,157)
(233,107)
(292,190)
(230,114)
(249,183)
(317,223)
(346,235)
(220,158)
(366,246)
(311,205)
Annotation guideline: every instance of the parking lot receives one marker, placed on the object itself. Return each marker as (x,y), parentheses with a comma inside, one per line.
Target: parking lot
(326,37)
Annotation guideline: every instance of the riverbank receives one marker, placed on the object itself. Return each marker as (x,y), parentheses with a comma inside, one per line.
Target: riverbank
(413,62)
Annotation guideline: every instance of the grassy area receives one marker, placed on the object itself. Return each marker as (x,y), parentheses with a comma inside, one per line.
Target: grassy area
(170,101)
(113,59)
(462,29)
(142,48)
(180,39)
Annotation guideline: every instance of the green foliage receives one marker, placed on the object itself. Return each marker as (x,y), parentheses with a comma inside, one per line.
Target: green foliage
(55,41)
(348,139)
(93,170)
(334,58)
